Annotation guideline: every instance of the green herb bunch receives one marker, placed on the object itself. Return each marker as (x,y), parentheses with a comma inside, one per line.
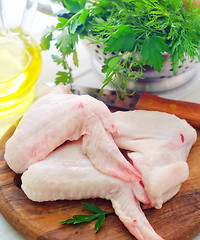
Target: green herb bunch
(137,31)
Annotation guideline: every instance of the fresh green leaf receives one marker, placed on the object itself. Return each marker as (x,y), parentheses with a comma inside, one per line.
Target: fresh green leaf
(152,50)
(83,16)
(61,60)
(66,42)
(80,219)
(84,218)
(61,23)
(64,77)
(74,5)
(74,25)
(75,58)
(113,61)
(99,214)
(57,59)
(104,68)
(68,221)
(123,40)
(92,208)
(46,38)
(99,223)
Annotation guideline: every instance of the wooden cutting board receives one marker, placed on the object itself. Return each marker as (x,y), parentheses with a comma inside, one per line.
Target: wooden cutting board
(179,219)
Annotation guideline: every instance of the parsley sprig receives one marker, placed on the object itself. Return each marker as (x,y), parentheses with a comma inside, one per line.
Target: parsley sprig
(138,32)
(98,214)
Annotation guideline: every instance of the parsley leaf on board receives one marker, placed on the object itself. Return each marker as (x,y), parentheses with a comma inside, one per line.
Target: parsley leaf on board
(126,28)
(98,214)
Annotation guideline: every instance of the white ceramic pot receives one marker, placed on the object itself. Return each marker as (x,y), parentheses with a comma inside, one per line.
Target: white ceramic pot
(152,80)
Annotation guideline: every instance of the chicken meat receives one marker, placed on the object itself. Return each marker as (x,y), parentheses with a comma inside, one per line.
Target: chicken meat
(68,174)
(59,116)
(70,147)
(158,145)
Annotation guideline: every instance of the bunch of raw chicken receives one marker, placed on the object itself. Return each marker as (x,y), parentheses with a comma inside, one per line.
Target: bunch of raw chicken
(68,147)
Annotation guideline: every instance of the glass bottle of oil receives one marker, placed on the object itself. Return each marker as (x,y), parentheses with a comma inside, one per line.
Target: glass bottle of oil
(20,60)
(20,66)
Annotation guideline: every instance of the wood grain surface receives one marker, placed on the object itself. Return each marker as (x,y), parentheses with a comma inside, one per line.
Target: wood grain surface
(189,111)
(179,219)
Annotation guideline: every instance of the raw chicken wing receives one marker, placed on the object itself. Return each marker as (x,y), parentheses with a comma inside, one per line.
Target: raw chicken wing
(158,144)
(59,116)
(54,118)
(68,174)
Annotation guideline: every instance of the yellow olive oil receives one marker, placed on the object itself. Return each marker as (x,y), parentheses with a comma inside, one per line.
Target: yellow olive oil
(20,66)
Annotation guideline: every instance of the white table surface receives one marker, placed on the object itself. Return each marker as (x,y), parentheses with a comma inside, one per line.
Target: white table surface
(84,75)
